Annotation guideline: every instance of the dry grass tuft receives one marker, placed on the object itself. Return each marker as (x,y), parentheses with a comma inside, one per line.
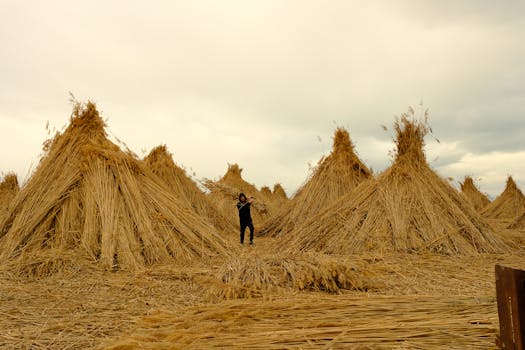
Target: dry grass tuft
(408,208)
(335,175)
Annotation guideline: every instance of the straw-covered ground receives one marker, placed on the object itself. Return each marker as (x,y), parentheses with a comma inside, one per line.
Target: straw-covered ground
(399,301)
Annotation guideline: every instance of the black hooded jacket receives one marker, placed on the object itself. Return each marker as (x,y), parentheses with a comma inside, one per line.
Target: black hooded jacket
(244,212)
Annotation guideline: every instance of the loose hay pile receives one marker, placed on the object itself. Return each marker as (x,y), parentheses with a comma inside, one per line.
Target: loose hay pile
(225,192)
(408,208)
(473,195)
(508,206)
(254,275)
(161,163)
(334,176)
(89,197)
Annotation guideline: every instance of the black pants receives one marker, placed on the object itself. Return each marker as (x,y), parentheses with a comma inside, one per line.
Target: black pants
(243,228)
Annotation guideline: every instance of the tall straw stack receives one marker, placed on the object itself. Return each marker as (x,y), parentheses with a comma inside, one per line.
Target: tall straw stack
(335,176)
(279,193)
(90,201)
(408,208)
(279,198)
(160,162)
(508,206)
(266,192)
(473,195)
(9,188)
(224,194)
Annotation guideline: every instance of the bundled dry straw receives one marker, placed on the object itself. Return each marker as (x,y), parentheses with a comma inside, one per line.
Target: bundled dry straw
(519,223)
(508,206)
(473,195)
(266,192)
(91,201)
(9,188)
(408,208)
(279,193)
(160,162)
(254,275)
(225,192)
(335,176)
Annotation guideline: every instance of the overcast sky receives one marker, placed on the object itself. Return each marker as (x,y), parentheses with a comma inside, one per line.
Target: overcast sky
(265,83)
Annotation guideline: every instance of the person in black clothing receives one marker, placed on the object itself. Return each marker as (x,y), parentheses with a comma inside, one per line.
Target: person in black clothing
(245,217)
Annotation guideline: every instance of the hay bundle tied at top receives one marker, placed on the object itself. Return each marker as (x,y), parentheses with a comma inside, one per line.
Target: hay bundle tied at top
(508,206)
(89,199)
(160,162)
(335,176)
(407,208)
(473,195)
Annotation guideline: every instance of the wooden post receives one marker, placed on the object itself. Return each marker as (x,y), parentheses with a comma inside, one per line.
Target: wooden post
(510,292)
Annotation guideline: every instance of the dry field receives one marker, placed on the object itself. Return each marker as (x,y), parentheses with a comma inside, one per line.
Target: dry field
(102,250)
(407,302)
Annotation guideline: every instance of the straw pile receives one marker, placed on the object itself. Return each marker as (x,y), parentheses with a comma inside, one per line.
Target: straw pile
(335,176)
(473,195)
(408,208)
(254,275)
(508,206)
(160,162)
(90,200)
(9,188)
(279,193)
(266,193)
(225,193)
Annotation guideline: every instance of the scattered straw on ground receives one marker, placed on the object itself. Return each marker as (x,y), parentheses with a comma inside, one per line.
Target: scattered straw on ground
(323,322)
(85,309)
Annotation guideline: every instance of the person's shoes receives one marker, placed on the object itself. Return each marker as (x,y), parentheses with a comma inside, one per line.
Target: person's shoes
(251,242)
